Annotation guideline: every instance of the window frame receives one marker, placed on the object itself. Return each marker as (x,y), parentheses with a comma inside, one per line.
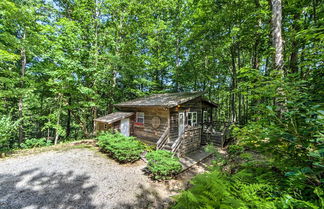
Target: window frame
(191,120)
(205,116)
(139,115)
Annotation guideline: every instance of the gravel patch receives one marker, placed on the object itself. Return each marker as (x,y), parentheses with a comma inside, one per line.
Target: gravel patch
(77,178)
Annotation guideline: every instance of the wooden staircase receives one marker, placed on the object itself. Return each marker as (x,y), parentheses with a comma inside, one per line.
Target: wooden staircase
(163,139)
(164,142)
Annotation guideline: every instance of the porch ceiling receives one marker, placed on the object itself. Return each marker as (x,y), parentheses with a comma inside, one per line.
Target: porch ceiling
(113,117)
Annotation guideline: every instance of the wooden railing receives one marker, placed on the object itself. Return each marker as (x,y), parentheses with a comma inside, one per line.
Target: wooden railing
(177,143)
(216,125)
(216,129)
(163,139)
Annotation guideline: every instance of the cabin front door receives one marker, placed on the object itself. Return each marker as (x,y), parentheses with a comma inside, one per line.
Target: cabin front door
(181,122)
(124,126)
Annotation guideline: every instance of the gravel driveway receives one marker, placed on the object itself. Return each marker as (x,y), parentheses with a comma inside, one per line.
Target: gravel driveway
(76,178)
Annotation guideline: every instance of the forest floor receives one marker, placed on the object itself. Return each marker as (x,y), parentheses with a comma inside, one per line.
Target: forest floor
(83,178)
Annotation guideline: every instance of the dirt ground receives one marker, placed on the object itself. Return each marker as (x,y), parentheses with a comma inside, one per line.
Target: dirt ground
(83,178)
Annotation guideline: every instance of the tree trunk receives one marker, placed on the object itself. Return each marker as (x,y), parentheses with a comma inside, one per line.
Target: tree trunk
(68,123)
(255,54)
(277,40)
(57,134)
(294,46)
(233,86)
(20,102)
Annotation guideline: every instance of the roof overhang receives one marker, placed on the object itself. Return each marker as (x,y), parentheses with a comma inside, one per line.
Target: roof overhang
(114,117)
(209,102)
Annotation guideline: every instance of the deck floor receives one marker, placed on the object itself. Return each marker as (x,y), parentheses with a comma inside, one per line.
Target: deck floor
(193,158)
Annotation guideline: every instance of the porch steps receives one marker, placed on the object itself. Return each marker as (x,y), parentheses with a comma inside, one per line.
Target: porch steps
(194,158)
(168,146)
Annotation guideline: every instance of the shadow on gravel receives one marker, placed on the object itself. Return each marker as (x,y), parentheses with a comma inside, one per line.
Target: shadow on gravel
(35,189)
(147,198)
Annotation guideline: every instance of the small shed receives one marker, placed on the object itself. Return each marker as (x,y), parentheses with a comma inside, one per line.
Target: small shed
(116,120)
(172,121)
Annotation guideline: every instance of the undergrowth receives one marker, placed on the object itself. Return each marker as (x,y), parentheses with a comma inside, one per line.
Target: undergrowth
(122,148)
(162,164)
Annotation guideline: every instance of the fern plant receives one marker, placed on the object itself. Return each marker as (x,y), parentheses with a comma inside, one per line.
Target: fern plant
(122,148)
(162,164)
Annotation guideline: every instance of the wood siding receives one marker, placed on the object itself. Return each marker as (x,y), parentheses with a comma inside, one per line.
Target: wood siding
(146,131)
(100,126)
(195,105)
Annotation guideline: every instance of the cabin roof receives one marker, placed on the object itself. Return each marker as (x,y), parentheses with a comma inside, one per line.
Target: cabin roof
(113,117)
(168,100)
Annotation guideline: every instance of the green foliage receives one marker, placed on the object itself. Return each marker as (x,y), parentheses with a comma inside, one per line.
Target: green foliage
(162,164)
(32,143)
(209,190)
(215,190)
(246,156)
(83,56)
(122,148)
(235,149)
(218,190)
(7,128)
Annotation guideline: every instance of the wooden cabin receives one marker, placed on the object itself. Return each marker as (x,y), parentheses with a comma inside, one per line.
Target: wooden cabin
(172,121)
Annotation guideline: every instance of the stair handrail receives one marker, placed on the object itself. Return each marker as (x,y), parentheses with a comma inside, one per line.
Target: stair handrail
(162,140)
(176,145)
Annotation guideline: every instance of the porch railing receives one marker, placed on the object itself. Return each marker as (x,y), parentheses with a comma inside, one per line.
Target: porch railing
(217,130)
(177,143)
(216,125)
(163,139)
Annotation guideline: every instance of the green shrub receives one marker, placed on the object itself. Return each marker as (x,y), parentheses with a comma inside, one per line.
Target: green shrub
(209,190)
(162,164)
(7,128)
(31,143)
(235,149)
(122,148)
(217,190)
(246,156)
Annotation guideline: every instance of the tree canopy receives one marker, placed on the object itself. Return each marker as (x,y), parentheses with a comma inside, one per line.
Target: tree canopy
(65,62)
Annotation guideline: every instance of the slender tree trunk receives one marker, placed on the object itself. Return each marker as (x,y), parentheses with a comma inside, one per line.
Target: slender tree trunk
(20,102)
(277,39)
(68,123)
(237,84)
(177,64)
(255,54)
(314,4)
(94,114)
(233,86)
(57,134)
(294,46)
(246,109)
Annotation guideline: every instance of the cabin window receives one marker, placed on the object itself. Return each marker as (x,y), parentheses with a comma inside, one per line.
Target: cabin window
(192,119)
(205,116)
(139,118)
